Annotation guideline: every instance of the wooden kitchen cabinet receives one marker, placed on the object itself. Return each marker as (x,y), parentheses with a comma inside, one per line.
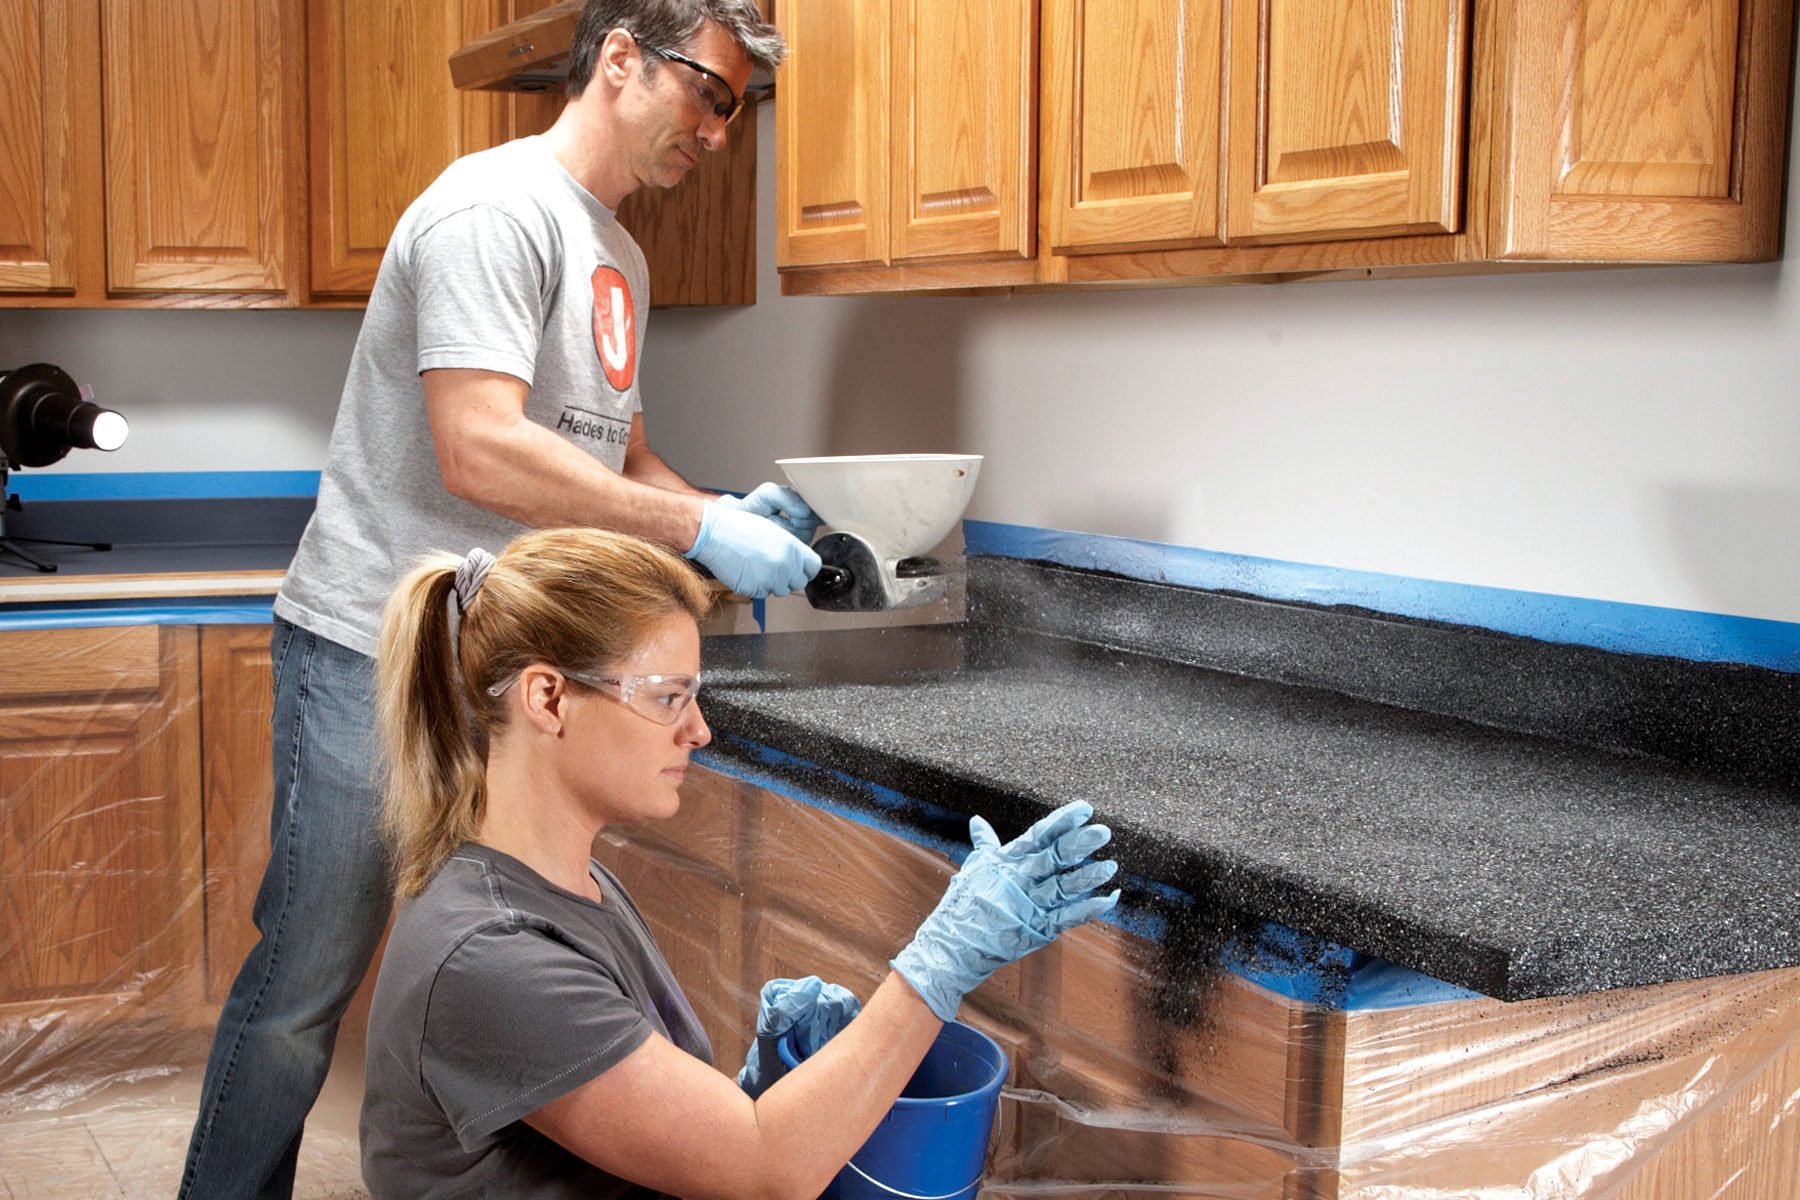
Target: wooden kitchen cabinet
(1346,118)
(1133,131)
(158,154)
(45,126)
(1644,130)
(100,853)
(385,121)
(1202,141)
(832,133)
(909,132)
(135,790)
(257,153)
(202,118)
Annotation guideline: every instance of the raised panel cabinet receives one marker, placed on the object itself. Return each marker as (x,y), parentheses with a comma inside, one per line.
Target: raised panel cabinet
(1644,130)
(100,879)
(386,121)
(831,181)
(1346,118)
(964,125)
(1132,124)
(907,132)
(41,69)
(201,113)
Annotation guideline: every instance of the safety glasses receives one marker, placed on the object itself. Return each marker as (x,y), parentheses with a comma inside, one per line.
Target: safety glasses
(659,698)
(726,108)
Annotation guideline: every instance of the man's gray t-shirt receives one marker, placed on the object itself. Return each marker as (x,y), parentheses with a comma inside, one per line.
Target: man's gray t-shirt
(505,263)
(498,993)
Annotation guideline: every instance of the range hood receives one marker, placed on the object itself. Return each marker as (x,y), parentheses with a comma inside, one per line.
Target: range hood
(531,54)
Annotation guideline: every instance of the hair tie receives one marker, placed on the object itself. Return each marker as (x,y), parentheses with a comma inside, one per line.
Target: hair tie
(470,574)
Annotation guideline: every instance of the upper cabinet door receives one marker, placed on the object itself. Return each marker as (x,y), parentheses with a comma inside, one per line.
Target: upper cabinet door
(37,139)
(1645,130)
(1346,118)
(200,111)
(1132,125)
(386,120)
(831,122)
(964,128)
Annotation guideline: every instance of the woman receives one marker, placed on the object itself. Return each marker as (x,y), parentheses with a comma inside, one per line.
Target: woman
(527,1039)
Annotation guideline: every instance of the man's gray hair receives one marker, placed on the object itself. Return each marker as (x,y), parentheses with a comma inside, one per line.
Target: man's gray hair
(667,25)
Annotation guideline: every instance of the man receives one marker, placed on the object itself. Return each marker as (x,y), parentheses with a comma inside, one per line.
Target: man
(493,386)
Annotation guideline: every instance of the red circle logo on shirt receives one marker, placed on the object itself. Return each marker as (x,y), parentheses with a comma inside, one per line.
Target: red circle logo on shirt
(615,327)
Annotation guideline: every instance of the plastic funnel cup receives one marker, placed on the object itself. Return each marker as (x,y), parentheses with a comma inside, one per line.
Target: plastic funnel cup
(932,1145)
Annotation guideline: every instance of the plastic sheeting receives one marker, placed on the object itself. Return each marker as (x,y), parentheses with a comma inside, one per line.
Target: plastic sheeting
(134,806)
(133,817)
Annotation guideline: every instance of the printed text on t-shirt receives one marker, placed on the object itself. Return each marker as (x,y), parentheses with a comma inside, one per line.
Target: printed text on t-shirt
(596,427)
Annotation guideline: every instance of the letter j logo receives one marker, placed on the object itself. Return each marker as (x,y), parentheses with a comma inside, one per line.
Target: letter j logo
(615,328)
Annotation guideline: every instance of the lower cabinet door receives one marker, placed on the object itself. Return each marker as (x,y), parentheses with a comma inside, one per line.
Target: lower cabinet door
(100,870)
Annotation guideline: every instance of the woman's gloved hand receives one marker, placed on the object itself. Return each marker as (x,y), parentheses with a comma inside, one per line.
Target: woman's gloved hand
(1006,902)
(782,505)
(815,1010)
(749,554)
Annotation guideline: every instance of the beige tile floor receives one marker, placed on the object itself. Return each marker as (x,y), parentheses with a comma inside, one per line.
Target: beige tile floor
(127,1141)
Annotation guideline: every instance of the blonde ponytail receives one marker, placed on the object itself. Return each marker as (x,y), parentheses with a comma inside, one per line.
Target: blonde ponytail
(435,774)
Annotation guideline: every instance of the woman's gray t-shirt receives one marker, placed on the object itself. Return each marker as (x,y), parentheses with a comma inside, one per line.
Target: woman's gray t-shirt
(498,993)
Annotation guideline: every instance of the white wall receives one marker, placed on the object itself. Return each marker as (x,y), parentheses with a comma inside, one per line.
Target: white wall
(203,390)
(1622,434)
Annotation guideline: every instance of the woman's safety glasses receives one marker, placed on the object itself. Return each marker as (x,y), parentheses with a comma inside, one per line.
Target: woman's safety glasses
(661,698)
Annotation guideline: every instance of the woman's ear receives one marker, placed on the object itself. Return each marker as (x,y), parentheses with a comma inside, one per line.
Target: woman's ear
(544,694)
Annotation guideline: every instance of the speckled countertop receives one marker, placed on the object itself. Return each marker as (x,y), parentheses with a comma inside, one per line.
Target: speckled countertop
(1513,864)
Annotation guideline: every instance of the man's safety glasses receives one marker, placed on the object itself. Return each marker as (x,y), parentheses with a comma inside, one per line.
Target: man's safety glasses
(661,698)
(726,109)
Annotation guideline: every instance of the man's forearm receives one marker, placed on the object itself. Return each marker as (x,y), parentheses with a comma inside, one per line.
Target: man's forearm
(524,471)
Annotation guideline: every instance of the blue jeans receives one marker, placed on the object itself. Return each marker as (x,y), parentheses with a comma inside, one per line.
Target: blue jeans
(323,903)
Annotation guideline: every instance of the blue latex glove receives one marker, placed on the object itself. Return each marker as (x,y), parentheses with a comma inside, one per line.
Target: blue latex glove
(751,555)
(815,1010)
(1006,902)
(782,505)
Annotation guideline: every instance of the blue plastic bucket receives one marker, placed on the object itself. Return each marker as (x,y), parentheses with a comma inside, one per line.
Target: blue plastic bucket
(932,1145)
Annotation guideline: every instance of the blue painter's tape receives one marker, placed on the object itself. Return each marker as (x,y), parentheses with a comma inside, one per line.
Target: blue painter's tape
(885,798)
(1605,624)
(165,485)
(225,610)
(1280,959)
(1316,971)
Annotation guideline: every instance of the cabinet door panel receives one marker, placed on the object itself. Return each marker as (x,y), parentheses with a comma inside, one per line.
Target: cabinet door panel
(832,125)
(964,126)
(99,827)
(1132,123)
(1346,118)
(197,144)
(386,121)
(37,134)
(1645,130)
